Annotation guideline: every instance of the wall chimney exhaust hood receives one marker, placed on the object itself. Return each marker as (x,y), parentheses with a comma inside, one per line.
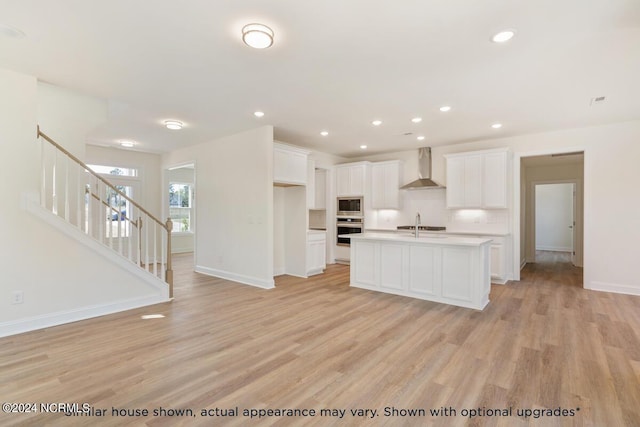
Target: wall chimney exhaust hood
(424,181)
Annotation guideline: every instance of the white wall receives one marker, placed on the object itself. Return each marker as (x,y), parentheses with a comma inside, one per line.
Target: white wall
(234,208)
(68,117)
(57,275)
(554,217)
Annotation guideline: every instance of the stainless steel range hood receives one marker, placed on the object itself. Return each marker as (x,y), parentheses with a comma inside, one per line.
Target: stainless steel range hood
(424,181)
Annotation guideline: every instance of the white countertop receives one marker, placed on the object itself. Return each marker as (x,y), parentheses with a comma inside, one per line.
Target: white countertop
(446,232)
(431,239)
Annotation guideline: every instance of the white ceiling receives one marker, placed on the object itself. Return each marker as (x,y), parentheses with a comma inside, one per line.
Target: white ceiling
(336,65)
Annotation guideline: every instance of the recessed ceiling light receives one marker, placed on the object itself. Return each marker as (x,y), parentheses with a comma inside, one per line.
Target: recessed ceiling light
(258,114)
(420,138)
(363,147)
(173,124)
(9,31)
(257,36)
(324,133)
(503,36)
(496,125)
(416,119)
(445,108)
(376,122)
(127,144)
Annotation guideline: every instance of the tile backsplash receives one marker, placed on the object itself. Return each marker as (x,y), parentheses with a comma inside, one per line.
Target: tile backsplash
(431,204)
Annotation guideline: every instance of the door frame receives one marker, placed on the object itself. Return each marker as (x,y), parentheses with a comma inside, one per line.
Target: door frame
(518,227)
(530,245)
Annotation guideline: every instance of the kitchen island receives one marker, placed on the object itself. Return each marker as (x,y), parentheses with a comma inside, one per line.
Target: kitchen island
(447,269)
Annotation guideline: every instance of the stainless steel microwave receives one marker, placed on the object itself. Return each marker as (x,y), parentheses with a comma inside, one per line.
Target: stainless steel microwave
(350,206)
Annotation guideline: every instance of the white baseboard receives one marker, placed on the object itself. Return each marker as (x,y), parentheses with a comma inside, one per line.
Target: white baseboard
(278,271)
(54,319)
(523,263)
(615,288)
(235,277)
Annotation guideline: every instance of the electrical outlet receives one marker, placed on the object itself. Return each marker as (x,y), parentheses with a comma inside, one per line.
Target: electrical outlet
(18,297)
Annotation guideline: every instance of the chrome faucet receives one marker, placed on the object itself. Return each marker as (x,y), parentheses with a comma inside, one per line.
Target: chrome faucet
(417,230)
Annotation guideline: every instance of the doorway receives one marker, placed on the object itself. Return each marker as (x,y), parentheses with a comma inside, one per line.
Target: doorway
(552,177)
(554,221)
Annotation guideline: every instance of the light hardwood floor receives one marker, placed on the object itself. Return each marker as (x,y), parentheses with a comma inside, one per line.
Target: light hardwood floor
(543,342)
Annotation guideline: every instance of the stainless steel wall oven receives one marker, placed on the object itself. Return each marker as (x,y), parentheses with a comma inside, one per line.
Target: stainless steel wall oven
(348,225)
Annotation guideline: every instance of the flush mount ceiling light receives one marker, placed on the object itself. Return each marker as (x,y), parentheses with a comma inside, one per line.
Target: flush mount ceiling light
(257,36)
(496,125)
(258,114)
(416,119)
(173,124)
(9,31)
(324,133)
(503,36)
(376,122)
(127,144)
(445,108)
(420,138)
(363,147)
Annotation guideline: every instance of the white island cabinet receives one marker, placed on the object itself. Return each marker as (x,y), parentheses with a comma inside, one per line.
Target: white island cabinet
(450,270)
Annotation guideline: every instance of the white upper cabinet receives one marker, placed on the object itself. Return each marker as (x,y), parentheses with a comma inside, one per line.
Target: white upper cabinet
(289,164)
(385,183)
(351,179)
(478,179)
(495,180)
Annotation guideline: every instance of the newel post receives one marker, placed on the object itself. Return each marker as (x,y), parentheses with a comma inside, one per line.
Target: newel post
(169,272)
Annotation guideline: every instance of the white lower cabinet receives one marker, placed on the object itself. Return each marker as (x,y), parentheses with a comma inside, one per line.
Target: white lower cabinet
(447,273)
(316,252)
(498,256)
(497,262)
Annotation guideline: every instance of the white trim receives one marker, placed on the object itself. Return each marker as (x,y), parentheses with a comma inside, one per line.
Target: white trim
(68,316)
(235,277)
(614,287)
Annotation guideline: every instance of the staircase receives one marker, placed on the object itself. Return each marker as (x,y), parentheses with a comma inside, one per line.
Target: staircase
(87,201)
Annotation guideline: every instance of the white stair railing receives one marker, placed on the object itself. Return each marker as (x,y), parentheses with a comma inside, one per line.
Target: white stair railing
(83,198)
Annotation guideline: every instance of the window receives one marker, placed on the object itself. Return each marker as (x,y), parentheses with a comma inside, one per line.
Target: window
(181,207)
(118,213)
(114,170)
